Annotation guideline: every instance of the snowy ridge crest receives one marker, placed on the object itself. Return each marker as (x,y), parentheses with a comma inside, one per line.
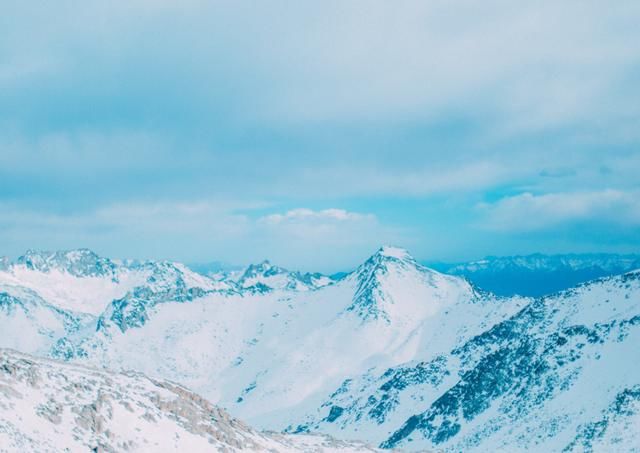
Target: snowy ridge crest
(79,262)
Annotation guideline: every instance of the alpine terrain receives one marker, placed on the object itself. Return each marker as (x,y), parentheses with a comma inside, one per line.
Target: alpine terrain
(47,406)
(394,354)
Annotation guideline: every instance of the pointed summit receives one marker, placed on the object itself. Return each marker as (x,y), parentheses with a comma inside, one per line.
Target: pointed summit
(385,256)
(399,253)
(369,298)
(391,284)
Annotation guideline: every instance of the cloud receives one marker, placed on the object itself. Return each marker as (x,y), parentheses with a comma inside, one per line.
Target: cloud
(513,67)
(301,215)
(529,212)
(324,235)
(200,231)
(114,113)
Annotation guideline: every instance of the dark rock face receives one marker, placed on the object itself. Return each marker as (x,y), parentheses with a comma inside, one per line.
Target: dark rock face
(8,303)
(625,404)
(334,413)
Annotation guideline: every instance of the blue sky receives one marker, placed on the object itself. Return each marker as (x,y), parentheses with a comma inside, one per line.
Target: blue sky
(313,132)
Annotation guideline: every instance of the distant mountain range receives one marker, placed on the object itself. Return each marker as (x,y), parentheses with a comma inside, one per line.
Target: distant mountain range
(394,353)
(526,275)
(537,275)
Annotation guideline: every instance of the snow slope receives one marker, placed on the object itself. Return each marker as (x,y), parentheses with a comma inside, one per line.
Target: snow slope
(47,406)
(562,374)
(31,324)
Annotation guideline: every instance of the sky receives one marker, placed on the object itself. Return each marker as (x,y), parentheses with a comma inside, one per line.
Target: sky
(311,133)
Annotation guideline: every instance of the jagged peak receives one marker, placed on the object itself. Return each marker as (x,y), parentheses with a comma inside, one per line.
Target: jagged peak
(266,276)
(79,262)
(264,264)
(70,253)
(263,268)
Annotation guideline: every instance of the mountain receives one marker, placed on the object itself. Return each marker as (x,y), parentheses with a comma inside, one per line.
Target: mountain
(264,277)
(273,357)
(47,406)
(81,281)
(393,353)
(537,275)
(45,297)
(31,324)
(560,375)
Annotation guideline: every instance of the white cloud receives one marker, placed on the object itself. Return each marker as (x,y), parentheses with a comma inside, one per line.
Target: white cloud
(196,231)
(308,215)
(334,237)
(529,212)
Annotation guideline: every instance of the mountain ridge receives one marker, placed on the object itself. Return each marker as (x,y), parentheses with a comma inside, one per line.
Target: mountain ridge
(392,353)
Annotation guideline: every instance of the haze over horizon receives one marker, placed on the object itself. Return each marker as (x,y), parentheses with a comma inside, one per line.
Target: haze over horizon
(312,134)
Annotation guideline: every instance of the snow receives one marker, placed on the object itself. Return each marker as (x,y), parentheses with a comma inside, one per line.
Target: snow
(394,252)
(283,357)
(47,406)
(79,294)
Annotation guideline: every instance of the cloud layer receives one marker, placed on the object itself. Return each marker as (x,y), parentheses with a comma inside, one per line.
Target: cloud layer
(458,130)
(528,212)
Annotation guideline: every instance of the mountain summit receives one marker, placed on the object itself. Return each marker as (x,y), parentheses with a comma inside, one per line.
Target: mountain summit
(391,284)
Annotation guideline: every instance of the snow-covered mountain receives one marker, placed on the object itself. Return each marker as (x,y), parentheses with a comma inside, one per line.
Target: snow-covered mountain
(47,406)
(560,375)
(265,276)
(46,296)
(393,353)
(538,275)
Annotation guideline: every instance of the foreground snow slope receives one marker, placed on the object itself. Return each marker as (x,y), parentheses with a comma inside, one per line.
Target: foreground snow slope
(47,406)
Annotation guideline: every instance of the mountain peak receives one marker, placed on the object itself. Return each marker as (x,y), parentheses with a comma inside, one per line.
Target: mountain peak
(389,251)
(264,277)
(78,262)
(264,268)
(369,298)
(388,255)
